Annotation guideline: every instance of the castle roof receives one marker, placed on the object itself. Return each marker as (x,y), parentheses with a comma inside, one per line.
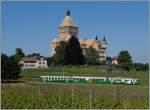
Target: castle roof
(68,21)
(32,58)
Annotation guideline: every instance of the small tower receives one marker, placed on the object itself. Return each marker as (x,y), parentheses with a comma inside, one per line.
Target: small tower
(68,28)
(104,48)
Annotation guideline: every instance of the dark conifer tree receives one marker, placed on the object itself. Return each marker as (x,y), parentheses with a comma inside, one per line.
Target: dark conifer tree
(10,67)
(73,52)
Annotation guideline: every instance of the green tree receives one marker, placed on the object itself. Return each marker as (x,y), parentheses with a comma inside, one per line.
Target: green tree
(59,55)
(125,60)
(49,61)
(91,56)
(34,54)
(19,53)
(141,67)
(10,67)
(73,52)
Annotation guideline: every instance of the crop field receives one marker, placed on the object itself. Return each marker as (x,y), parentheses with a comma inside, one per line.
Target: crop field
(35,94)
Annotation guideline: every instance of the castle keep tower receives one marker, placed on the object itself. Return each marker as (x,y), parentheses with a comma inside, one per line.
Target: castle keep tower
(67,28)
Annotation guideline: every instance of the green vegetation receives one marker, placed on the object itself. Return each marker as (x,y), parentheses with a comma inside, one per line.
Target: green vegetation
(19,53)
(84,71)
(59,55)
(73,52)
(35,94)
(10,68)
(91,56)
(125,60)
(33,54)
(63,96)
(141,67)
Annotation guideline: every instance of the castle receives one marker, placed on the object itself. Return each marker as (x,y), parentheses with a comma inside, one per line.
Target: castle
(68,28)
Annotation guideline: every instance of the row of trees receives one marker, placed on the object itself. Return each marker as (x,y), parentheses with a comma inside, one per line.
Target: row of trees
(67,53)
(19,54)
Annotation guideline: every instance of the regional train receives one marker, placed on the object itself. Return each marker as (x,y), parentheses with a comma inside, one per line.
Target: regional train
(93,80)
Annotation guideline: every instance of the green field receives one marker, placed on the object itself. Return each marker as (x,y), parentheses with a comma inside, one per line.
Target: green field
(36,94)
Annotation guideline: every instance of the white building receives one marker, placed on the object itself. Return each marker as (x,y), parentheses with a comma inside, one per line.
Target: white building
(114,61)
(33,62)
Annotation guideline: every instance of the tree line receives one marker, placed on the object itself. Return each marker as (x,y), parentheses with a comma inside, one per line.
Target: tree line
(68,53)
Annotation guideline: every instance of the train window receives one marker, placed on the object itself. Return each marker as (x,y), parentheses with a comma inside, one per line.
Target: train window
(69,78)
(49,77)
(56,78)
(64,78)
(59,78)
(52,77)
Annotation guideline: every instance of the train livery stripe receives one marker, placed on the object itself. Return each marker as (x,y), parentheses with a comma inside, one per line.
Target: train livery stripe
(94,80)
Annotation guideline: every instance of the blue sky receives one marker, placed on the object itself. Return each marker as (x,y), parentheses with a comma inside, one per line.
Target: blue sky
(32,25)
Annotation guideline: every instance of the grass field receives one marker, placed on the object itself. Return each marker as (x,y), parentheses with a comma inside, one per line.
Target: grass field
(36,94)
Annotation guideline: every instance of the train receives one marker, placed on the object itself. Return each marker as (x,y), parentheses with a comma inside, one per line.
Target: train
(93,80)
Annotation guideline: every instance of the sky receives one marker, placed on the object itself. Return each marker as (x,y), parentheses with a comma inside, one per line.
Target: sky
(32,25)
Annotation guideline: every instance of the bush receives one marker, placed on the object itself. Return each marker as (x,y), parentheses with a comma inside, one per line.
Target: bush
(10,68)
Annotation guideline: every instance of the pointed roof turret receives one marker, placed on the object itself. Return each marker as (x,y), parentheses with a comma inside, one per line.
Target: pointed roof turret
(96,38)
(68,21)
(104,39)
(68,12)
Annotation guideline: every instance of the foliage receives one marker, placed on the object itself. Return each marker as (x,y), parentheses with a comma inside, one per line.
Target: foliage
(10,67)
(34,54)
(19,53)
(125,60)
(141,67)
(49,59)
(50,96)
(73,52)
(84,71)
(91,56)
(59,56)
(31,95)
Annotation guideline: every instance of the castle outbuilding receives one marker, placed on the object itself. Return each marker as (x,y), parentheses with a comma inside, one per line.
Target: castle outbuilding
(68,28)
